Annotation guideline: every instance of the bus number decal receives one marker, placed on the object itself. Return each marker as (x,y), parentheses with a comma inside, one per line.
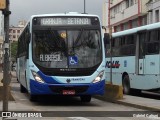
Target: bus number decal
(125,63)
(115,64)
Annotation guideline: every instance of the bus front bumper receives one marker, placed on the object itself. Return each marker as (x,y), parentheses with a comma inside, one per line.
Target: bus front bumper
(37,88)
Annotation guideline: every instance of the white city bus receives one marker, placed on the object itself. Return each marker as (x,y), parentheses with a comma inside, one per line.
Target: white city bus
(62,54)
(135,58)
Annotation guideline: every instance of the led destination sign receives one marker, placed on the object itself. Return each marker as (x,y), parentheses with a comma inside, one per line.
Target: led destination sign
(65,21)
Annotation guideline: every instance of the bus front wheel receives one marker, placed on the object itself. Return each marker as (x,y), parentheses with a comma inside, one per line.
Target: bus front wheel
(32,98)
(23,89)
(126,85)
(85,98)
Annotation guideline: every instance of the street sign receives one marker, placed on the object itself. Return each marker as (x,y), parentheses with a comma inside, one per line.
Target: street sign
(2,4)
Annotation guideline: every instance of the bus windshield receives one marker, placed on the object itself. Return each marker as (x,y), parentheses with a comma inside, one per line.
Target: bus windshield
(65,48)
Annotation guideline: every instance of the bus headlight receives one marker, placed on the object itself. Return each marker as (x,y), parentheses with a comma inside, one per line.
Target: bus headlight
(37,77)
(99,77)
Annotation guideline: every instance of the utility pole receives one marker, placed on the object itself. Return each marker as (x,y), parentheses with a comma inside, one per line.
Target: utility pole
(84,6)
(6,74)
(110,33)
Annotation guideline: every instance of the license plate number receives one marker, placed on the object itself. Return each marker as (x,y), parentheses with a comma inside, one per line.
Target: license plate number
(68,92)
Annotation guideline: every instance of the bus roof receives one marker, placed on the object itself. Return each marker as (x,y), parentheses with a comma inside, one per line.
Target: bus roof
(64,14)
(137,29)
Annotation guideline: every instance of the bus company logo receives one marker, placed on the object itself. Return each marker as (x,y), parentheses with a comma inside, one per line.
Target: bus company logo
(6,114)
(68,80)
(21,115)
(75,79)
(114,64)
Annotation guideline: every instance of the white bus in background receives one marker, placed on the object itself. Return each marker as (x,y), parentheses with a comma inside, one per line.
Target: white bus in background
(135,58)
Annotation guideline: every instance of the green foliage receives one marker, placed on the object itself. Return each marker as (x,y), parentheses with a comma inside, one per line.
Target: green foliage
(14,50)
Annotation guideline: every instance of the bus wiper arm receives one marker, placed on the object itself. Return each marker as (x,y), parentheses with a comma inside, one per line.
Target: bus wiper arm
(79,36)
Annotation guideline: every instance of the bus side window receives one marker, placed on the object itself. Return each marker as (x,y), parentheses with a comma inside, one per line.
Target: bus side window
(127,47)
(116,46)
(153,42)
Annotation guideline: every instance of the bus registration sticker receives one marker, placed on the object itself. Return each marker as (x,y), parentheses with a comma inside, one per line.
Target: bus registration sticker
(68,92)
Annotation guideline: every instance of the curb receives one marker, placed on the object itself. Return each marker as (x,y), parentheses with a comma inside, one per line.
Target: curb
(138,106)
(128,104)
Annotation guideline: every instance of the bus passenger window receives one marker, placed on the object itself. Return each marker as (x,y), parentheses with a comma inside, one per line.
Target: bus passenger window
(153,42)
(153,48)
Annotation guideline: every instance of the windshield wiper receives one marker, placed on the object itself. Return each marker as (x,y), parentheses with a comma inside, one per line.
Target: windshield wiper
(75,42)
(78,37)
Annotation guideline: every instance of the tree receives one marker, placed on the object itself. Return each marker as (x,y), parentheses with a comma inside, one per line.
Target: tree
(14,50)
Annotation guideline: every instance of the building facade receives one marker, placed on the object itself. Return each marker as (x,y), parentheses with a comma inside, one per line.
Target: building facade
(127,14)
(153,7)
(1,24)
(15,31)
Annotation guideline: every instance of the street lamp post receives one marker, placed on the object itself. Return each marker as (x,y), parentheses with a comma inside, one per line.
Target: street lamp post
(84,6)
(110,33)
(6,74)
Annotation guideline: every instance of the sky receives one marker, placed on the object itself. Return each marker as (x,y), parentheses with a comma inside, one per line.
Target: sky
(23,9)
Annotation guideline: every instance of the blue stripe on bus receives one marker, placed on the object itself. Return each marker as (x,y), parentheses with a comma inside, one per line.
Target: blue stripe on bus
(48,79)
(43,88)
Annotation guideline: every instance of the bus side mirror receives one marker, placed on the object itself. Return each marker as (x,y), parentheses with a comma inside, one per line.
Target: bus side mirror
(28,41)
(106,38)
(28,37)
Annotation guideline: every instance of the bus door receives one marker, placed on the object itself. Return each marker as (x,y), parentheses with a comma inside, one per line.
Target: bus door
(141,52)
(152,58)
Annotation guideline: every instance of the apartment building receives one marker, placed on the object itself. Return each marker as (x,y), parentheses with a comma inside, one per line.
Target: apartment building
(1,24)
(15,31)
(127,14)
(153,7)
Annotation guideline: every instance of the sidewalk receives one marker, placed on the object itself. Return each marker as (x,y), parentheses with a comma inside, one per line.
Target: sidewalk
(13,75)
(1,77)
(140,102)
(137,102)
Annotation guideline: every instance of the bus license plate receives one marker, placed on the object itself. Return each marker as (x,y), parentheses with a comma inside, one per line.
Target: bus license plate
(68,92)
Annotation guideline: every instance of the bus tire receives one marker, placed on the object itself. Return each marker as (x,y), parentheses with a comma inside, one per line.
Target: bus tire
(85,98)
(126,85)
(22,89)
(136,91)
(32,98)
